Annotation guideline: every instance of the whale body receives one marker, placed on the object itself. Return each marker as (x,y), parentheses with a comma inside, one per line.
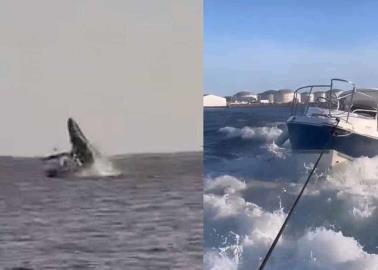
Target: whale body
(82,154)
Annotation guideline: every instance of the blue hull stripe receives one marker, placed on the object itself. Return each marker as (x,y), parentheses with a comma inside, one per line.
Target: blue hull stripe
(312,137)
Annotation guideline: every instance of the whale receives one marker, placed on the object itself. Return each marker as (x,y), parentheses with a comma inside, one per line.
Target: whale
(81,156)
(82,150)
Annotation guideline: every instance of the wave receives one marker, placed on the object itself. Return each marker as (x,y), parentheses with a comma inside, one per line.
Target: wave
(249,133)
(359,177)
(275,151)
(238,234)
(224,183)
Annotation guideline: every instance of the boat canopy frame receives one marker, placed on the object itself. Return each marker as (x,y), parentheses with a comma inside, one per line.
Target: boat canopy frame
(332,99)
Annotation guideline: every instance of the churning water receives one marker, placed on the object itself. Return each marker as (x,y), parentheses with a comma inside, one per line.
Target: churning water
(250,184)
(148,217)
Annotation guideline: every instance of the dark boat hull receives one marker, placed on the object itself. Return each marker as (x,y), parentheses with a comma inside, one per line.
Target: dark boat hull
(306,137)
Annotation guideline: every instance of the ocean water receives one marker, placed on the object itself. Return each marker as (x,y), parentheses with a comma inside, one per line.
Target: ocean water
(250,184)
(149,217)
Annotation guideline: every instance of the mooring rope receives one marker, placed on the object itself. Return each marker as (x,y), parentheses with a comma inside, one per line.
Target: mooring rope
(267,256)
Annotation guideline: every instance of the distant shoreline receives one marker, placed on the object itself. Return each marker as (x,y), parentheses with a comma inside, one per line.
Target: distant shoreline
(252,105)
(260,105)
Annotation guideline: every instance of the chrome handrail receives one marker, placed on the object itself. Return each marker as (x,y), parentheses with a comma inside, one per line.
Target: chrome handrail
(353,92)
(295,101)
(363,110)
(332,95)
(331,90)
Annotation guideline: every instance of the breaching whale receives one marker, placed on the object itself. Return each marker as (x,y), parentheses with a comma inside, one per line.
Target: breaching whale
(82,154)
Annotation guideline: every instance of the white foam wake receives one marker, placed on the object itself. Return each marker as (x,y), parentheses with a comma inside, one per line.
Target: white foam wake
(248,133)
(226,212)
(359,177)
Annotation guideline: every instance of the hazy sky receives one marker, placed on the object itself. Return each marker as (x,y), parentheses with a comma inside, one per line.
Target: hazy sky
(258,45)
(130,72)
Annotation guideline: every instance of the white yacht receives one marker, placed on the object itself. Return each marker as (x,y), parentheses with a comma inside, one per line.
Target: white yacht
(343,124)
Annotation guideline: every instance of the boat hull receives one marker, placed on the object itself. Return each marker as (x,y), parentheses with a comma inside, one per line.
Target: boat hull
(317,137)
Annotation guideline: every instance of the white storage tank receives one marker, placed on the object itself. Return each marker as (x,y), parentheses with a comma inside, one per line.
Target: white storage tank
(267,95)
(244,97)
(283,96)
(214,101)
(306,97)
(298,98)
(320,96)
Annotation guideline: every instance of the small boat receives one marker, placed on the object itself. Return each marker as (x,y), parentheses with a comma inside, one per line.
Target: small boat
(343,124)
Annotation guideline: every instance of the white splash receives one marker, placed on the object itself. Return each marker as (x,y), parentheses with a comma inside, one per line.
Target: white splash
(253,226)
(360,177)
(363,210)
(276,151)
(215,260)
(248,133)
(102,166)
(315,249)
(226,183)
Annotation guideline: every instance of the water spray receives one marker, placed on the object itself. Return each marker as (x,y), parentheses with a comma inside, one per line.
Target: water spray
(267,256)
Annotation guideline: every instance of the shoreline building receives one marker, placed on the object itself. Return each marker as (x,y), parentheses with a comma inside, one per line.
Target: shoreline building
(214,101)
(266,96)
(283,96)
(320,96)
(306,97)
(245,97)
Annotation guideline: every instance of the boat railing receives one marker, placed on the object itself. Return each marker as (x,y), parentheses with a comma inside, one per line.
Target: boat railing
(306,104)
(331,99)
(352,94)
(363,110)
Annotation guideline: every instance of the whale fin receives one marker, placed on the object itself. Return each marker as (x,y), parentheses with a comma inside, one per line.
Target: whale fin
(57,156)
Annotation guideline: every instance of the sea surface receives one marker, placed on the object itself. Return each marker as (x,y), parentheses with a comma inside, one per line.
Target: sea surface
(250,184)
(149,217)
